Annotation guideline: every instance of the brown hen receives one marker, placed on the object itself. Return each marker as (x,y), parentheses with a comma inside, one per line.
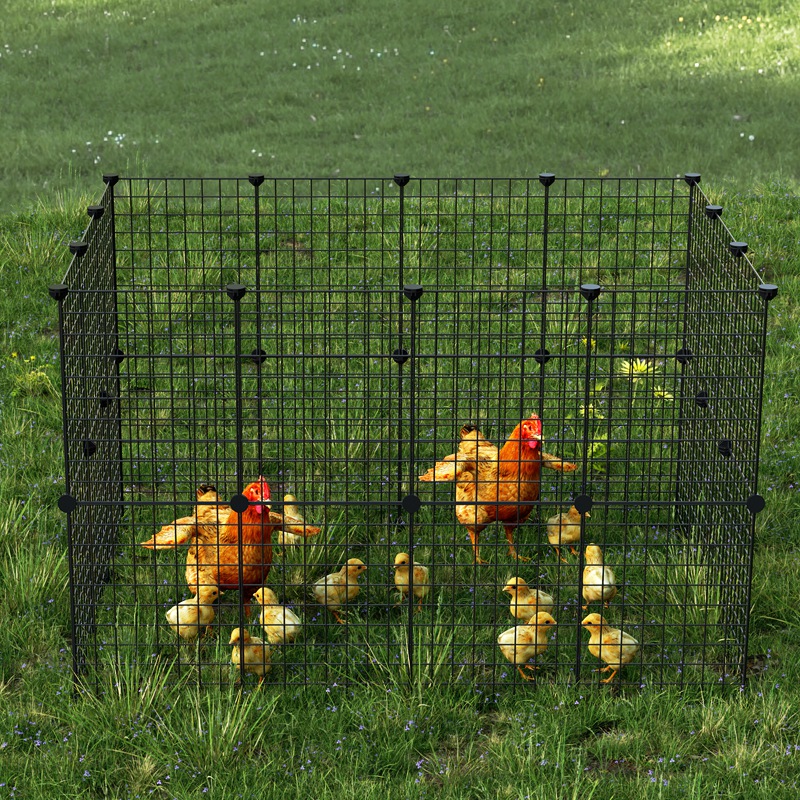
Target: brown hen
(213,536)
(496,485)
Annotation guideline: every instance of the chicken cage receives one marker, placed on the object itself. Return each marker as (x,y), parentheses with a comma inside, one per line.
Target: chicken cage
(339,337)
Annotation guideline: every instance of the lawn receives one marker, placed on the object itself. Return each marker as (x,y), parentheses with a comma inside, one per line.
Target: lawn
(292,88)
(137,730)
(553,87)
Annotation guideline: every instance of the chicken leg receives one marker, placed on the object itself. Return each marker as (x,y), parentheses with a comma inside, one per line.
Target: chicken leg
(524,676)
(512,550)
(473,537)
(611,676)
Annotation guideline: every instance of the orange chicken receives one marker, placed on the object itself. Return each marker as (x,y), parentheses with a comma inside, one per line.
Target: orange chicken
(213,537)
(496,485)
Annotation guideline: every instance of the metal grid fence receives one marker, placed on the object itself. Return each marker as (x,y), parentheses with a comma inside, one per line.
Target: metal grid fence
(334,336)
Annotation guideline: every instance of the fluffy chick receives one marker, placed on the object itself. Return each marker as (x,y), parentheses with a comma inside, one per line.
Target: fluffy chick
(565,529)
(526,602)
(421,581)
(256,656)
(280,624)
(338,588)
(189,616)
(611,645)
(523,642)
(599,581)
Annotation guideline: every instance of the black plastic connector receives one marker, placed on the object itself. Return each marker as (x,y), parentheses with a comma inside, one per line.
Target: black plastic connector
(67,503)
(756,503)
(590,291)
(738,249)
(236,291)
(768,291)
(411,504)
(58,291)
(701,399)
(684,356)
(239,503)
(400,356)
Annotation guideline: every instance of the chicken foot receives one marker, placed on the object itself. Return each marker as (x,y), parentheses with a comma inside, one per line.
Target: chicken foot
(512,550)
(606,669)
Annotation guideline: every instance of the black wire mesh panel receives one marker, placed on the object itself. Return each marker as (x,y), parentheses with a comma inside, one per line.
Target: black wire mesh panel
(338,338)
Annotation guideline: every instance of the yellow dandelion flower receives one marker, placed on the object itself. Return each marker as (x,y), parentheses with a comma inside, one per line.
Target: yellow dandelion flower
(660,393)
(637,369)
(592,344)
(591,411)
(14,354)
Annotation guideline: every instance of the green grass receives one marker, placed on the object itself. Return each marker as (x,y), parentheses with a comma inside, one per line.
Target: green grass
(201,88)
(502,92)
(134,731)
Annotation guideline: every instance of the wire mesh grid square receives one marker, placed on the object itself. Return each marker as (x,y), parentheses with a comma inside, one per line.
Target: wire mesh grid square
(333,336)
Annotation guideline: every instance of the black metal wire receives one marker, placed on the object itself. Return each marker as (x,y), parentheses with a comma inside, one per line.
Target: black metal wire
(322,380)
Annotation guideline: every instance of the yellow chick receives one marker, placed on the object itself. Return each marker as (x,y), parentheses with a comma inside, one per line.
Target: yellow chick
(256,653)
(611,645)
(422,586)
(189,616)
(525,602)
(565,529)
(523,642)
(280,624)
(599,582)
(338,588)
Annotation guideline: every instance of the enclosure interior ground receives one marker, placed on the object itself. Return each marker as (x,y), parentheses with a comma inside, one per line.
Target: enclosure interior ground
(335,335)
